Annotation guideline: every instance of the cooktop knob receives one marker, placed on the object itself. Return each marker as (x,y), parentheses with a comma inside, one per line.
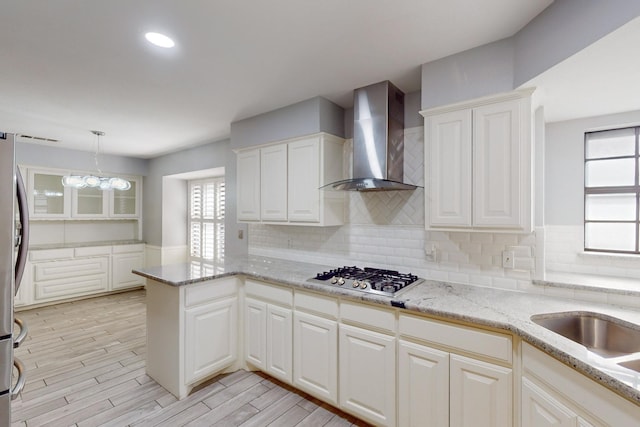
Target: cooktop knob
(363,285)
(334,280)
(356,283)
(340,281)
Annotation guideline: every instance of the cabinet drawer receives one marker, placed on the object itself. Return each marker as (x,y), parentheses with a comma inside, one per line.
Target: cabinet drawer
(483,343)
(70,269)
(369,317)
(125,249)
(211,290)
(69,287)
(49,254)
(317,304)
(92,251)
(277,294)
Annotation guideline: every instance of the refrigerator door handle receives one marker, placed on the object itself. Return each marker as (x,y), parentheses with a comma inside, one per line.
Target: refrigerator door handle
(15,392)
(21,260)
(23,332)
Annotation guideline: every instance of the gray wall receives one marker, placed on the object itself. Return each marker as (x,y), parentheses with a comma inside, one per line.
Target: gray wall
(213,155)
(303,118)
(564,165)
(63,158)
(561,30)
(482,71)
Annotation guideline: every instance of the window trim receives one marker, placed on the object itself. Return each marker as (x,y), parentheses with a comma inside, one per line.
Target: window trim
(623,189)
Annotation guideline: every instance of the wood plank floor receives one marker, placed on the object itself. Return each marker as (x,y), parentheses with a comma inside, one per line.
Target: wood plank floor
(85,365)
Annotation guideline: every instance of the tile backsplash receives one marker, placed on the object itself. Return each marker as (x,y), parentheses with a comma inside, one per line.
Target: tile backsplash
(386,229)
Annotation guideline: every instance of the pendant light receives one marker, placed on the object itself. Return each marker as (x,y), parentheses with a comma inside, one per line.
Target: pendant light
(96,181)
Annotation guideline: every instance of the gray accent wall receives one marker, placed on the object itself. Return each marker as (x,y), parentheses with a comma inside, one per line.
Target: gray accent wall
(163,223)
(303,118)
(564,164)
(474,73)
(563,29)
(63,158)
(558,32)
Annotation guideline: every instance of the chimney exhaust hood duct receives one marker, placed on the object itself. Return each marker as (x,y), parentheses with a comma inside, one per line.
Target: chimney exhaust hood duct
(378,140)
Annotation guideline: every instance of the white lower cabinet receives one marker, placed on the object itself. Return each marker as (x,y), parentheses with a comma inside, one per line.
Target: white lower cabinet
(53,275)
(480,393)
(204,354)
(124,259)
(54,280)
(315,354)
(540,409)
(280,343)
(554,394)
(368,374)
(423,386)
(191,332)
(269,329)
(440,388)
(255,337)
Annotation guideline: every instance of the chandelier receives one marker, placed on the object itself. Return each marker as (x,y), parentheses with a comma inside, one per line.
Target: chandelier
(96,181)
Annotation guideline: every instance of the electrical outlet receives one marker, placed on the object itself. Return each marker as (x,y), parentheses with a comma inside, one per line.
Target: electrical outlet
(507,259)
(240,234)
(431,251)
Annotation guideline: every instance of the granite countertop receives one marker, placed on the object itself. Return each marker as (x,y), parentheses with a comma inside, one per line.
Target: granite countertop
(84,244)
(501,309)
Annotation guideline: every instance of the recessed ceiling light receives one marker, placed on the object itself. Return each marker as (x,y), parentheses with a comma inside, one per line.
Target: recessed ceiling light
(160,40)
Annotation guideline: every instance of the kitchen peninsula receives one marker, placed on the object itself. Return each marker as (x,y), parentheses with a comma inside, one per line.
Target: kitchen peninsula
(263,313)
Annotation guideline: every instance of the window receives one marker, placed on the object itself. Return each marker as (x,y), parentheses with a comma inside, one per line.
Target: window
(612,191)
(206,219)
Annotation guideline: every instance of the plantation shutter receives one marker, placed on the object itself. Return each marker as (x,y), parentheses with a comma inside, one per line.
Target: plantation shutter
(206,219)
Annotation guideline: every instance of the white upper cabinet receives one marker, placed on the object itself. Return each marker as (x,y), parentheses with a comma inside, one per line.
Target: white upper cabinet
(49,199)
(450,168)
(248,179)
(478,160)
(304,180)
(280,183)
(273,183)
(89,202)
(126,203)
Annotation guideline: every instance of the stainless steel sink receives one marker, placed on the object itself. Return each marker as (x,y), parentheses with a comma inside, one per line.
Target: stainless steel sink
(603,335)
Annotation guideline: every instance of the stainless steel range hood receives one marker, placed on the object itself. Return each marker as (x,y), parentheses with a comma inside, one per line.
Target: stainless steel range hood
(378,140)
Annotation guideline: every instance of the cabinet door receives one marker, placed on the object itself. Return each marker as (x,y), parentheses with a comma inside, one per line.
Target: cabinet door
(210,338)
(423,386)
(248,176)
(125,203)
(48,198)
(255,333)
(367,374)
(273,183)
(540,409)
(280,343)
(315,356)
(90,202)
(122,264)
(449,136)
(481,394)
(304,180)
(496,165)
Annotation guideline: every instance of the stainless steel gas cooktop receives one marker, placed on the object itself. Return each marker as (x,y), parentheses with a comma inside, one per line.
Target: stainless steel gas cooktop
(370,280)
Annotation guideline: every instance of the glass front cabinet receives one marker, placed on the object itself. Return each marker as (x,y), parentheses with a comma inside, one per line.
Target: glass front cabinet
(49,199)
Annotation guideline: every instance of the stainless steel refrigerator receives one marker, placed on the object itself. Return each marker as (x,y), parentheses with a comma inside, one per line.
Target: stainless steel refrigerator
(14,241)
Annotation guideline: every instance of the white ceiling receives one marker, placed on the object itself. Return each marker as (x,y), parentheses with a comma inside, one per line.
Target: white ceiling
(602,79)
(70,66)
